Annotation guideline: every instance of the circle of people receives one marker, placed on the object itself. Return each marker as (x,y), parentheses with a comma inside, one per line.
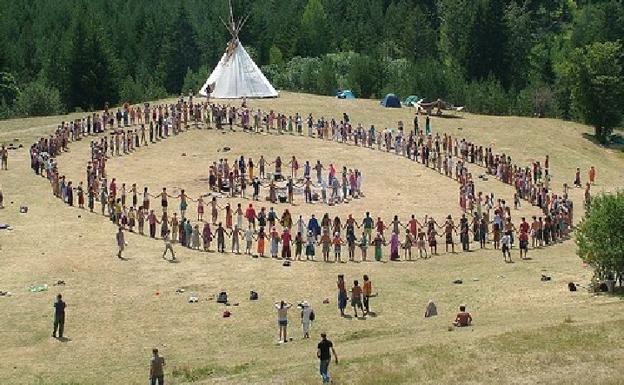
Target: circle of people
(448,155)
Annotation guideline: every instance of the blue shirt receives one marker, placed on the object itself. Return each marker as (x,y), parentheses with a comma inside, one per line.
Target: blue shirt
(314,226)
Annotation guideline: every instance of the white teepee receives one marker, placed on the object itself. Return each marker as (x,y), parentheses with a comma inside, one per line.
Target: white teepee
(236,75)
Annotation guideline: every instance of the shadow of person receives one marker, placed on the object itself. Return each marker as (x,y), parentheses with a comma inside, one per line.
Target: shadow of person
(347,316)
(64,339)
(371,314)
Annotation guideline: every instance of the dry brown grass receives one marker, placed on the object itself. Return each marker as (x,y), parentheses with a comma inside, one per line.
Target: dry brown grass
(114,317)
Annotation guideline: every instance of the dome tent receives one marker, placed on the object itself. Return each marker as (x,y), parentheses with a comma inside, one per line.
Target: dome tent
(391,101)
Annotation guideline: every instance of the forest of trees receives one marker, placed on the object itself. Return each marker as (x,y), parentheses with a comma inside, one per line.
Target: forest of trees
(557,58)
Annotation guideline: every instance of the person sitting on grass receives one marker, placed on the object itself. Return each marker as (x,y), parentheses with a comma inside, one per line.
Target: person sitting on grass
(463,317)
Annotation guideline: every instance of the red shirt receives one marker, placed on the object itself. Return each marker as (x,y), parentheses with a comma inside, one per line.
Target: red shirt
(524,231)
(464,319)
(286,240)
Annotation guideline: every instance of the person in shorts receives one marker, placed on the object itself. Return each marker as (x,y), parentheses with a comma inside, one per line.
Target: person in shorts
(505,245)
(282,320)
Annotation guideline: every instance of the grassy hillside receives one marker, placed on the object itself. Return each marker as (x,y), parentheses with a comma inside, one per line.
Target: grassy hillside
(525,332)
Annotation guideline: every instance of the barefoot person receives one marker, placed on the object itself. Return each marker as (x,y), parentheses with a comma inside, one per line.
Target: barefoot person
(324,351)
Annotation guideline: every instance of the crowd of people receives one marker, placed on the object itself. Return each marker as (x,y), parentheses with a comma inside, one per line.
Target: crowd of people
(258,231)
(484,218)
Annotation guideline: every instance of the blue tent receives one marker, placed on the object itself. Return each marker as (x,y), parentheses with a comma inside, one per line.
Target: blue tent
(346,94)
(391,101)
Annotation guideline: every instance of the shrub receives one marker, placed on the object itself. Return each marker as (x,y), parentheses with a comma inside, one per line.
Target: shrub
(38,99)
(600,235)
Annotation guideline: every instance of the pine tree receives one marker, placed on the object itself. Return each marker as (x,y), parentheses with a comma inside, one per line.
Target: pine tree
(179,51)
(313,28)
(93,71)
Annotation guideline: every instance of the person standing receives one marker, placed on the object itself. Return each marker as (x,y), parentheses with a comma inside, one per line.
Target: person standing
(121,243)
(324,351)
(592,175)
(157,373)
(4,154)
(307,317)
(356,298)
(342,294)
(59,316)
(168,247)
(367,291)
(282,320)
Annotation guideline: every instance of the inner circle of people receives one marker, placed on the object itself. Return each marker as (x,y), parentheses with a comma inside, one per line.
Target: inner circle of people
(485,219)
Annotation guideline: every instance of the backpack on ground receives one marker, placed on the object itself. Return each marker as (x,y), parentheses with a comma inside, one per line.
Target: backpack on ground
(222,297)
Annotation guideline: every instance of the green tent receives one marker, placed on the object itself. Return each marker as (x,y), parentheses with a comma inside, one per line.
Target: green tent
(410,100)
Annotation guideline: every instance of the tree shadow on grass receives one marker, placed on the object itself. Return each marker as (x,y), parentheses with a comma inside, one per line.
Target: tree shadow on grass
(616,141)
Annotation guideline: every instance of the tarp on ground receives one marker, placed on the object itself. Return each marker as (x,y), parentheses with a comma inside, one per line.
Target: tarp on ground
(346,94)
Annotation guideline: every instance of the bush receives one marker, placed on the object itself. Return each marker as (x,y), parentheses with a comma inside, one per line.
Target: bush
(365,76)
(131,91)
(194,80)
(8,87)
(38,99)
(600,235)
(487,97)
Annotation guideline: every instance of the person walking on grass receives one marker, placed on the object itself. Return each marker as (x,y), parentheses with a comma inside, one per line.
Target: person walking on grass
(121,243)
(307,317)
(59,316)
(324,352)
(282,320)
(168,247)
(157,373)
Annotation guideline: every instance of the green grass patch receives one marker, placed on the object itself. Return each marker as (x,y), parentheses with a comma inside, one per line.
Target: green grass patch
(188,373)
(563,337)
